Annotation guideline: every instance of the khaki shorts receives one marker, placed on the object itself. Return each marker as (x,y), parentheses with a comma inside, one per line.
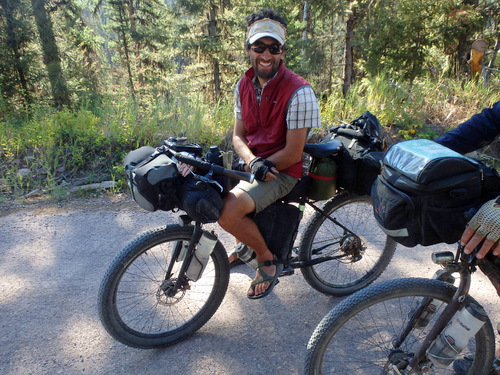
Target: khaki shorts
(268,192)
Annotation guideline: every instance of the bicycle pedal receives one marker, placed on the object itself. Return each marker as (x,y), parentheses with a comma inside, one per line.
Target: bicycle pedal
(287,271)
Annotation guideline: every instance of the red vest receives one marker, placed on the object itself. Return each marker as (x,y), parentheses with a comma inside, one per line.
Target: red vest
(266,124)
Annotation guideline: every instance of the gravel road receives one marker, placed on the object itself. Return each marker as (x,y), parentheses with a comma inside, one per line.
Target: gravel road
(54,256)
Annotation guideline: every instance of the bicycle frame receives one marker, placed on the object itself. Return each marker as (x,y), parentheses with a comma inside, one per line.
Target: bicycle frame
(465,269)
(312,262)
(296,196)
(198,230)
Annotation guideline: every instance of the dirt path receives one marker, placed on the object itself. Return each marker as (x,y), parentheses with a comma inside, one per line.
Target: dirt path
(53,258)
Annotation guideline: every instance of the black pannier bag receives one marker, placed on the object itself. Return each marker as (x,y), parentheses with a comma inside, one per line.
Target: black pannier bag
(424,191)
(278,224)
(358,163)
(200,200)
(152,177)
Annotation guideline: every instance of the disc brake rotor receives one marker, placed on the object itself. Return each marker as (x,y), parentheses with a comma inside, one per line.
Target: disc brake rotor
(166,288)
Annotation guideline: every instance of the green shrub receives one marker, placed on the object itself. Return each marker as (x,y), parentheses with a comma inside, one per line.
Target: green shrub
(43,149)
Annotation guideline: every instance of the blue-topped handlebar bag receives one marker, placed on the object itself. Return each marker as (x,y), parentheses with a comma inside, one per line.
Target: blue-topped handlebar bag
(424,191)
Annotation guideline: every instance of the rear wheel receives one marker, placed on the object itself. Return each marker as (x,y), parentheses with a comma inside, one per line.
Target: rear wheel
(361,254)
(135,303)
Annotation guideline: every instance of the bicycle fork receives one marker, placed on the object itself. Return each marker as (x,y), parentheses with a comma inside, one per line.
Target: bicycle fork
(195,238)
(456,303)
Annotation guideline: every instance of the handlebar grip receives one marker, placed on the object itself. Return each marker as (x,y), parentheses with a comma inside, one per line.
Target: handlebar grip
(238,175)
(350,132)
(206,166)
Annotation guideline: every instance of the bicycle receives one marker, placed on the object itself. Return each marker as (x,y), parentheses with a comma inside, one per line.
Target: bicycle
(146,301)
(390,327)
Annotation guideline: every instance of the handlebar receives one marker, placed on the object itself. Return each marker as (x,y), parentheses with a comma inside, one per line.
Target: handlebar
(350,133)
(217,169)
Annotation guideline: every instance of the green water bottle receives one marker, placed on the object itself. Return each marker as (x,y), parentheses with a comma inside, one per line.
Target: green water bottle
(323,173)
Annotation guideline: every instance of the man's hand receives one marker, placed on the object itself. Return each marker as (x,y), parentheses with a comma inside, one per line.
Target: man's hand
(261,167)
(484,225)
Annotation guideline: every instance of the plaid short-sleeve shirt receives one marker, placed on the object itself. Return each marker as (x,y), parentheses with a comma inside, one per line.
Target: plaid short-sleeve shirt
(302,112)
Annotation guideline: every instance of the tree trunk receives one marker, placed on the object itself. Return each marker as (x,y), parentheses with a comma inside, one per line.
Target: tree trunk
(126,49)
(463,49)
(305,19)
(348,56)
(494,55)
(332,58)
(51,57)
(217,88)
(212,33)
(13,43)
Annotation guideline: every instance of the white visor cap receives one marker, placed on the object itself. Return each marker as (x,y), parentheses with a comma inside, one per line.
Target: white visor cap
(266,28)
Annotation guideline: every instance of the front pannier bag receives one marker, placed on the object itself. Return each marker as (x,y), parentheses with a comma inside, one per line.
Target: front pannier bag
(424,191)
(151,176)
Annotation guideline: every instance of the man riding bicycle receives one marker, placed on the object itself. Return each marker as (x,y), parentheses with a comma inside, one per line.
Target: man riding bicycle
(274,109)
(480,130)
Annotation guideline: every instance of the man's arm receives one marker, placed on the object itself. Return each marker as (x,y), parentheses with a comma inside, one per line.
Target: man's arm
(292,152)
(303,114)
(480,130)
(282,159)
(240,142)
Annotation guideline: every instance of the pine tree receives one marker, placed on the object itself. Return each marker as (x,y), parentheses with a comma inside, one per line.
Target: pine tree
(51,56)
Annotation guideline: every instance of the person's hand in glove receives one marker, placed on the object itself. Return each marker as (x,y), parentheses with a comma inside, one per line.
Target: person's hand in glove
(485,224)
(264,170)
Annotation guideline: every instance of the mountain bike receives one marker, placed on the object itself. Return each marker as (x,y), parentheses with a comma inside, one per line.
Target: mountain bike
(146,300)
(397,326)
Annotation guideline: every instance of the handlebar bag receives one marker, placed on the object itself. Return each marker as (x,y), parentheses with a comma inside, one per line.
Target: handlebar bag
(200,200)
(151,178)
(424,191)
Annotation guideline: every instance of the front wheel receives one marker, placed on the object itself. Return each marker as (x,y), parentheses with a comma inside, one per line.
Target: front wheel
(135,302)
(358,336)
(361,253)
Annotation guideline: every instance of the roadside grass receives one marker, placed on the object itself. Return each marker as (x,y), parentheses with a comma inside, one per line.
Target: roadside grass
(42,151)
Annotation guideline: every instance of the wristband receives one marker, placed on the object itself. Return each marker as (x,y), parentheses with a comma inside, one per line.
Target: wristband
(260,167)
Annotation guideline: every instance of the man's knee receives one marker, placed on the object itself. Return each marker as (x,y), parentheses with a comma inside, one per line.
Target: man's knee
(226,217)
(236,206)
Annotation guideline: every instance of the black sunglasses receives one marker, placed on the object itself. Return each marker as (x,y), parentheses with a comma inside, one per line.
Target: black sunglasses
(274,49)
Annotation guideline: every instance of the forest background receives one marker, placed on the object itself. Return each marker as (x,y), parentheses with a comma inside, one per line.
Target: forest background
(83,82)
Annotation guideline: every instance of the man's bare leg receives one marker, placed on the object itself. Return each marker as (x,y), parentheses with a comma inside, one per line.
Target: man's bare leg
(237,205)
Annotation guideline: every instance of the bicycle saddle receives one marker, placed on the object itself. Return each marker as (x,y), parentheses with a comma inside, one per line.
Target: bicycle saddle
(321,150)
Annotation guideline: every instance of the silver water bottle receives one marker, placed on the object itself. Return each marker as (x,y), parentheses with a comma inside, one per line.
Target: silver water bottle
(247,255)
(201,255)
(454,338)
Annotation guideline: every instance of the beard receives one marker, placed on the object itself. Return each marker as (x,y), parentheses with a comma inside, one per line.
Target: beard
(266,73)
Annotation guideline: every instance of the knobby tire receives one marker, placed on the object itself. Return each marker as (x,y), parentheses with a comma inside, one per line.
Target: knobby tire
(346,275)
(356,336)
(132,304)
